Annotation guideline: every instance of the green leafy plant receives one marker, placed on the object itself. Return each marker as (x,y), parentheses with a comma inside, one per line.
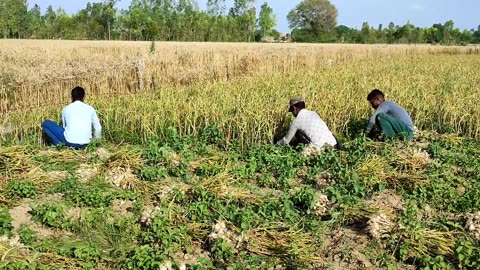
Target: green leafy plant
(51,215)
(467,255)
(222,252)
(21,189)
(143,257)
(27,236)
(5,221)
(304,199)
(89,196)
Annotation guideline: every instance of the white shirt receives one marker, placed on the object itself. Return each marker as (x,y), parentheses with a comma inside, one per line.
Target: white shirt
(313,126)
(78,119)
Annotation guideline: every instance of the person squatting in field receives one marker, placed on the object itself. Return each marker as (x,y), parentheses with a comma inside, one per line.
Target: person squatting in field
(307,128)
(78,119)
(389,117)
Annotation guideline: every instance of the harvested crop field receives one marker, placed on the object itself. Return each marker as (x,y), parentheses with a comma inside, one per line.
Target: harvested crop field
(186,176)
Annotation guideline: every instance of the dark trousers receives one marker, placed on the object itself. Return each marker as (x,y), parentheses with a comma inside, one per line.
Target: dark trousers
(302,138)
(55,133)
(393,128)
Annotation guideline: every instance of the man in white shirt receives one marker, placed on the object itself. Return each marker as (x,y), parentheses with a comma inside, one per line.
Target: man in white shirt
(308,127)
(78,119)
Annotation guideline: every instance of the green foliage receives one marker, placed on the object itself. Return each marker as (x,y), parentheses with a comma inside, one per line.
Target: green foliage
(27,236)
(467,253)
(206,179)
(212,135)
(143,257)
(24,265)
(5,221)
(89,196)
(174,21)
(222,252)
(152,173)
(306,16)
(267,20)
(83,252)
(436,263)
(50,215)
(164,234)
(67,184)
(21,189)
(304,199)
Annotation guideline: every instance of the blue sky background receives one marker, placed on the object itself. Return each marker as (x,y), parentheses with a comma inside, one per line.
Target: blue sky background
(465,13)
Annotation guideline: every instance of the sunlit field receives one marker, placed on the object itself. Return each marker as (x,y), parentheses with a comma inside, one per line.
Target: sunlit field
(186,176)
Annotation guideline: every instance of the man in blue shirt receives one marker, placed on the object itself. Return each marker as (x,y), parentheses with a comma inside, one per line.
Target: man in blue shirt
(390,117)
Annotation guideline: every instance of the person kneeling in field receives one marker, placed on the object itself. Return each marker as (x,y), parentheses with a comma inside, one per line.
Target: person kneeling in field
(78,119)
(307,128)
(390,117)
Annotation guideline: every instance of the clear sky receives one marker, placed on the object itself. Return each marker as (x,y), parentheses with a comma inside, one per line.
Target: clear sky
(424,13)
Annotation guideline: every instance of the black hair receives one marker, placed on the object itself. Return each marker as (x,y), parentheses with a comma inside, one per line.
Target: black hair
(300,105)
(375,94)
(78,93)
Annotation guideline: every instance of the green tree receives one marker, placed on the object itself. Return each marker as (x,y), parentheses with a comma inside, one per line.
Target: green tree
(405,33)
(109,14)
(431,35)
(344,34)
(476,35)
(244,14)
(35,22)
(267,20)
(215,20)
(318,17)
(466,37)
(448,32)
(14,18)
(390,33)
(216,7)
(49,18)
(366,32)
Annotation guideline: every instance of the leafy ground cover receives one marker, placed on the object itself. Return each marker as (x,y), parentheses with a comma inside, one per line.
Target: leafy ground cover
(205,203)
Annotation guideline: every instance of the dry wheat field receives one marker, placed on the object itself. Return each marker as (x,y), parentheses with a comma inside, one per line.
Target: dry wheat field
(186,177)
(192,85)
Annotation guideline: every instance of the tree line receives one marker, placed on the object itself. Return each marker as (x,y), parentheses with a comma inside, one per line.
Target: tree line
(183,20)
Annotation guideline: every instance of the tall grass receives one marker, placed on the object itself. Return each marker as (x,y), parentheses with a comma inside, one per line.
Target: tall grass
(440,91)
(36,73)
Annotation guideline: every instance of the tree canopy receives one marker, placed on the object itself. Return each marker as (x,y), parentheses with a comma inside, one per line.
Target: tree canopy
(183,20)
(318,17)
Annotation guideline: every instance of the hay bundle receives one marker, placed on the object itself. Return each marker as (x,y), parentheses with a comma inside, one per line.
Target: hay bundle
(16,159)
(312,151)
(122,178)
(473,225)
(285,242)
(220,230)
(11,250)
(425,241)
(321,204)
(413,160)
(375,169)
(364,211)
(128,158)
(380,226)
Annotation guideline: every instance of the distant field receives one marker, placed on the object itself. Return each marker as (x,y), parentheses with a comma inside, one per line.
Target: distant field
(242,88)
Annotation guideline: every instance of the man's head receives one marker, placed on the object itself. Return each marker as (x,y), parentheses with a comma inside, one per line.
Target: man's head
(78,94)
(375,98)
(296,105)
